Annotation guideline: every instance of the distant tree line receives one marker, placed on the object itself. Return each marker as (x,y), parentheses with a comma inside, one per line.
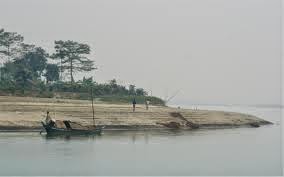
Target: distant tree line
(26,69)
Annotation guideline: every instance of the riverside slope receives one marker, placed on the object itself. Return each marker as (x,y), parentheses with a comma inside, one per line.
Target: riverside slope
(26,113)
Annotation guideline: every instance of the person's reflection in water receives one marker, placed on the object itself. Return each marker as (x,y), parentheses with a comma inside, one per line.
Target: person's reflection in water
(146,137)
(133,138)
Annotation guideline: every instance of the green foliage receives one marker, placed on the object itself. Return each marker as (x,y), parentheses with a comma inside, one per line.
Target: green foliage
(8,86)
(8,71)
(9,42)
(140,91)
(128,99)
(132,89)
(35,61)
(52,73)
(23,78)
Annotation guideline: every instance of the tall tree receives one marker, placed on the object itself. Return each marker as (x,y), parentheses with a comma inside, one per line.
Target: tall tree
(1,47)
(9,42)
(72,57)
(59,55)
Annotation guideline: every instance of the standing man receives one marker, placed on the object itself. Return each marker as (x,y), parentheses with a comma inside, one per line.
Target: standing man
(147,102)
(134,104)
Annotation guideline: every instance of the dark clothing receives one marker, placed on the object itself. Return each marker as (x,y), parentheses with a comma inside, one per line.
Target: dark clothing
(134,104)
(52,123)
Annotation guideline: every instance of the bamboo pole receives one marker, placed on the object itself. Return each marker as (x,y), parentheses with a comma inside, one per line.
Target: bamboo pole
(93,106)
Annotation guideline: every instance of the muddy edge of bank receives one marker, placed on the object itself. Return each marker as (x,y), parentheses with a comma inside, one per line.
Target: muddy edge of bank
(135,128)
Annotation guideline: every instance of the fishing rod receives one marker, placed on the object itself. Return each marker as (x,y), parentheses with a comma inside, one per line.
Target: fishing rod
(171,97)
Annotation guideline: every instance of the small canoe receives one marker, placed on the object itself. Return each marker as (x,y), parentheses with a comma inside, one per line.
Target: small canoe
(53,130)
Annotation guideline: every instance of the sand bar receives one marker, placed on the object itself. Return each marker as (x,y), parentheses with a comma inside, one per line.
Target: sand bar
(26,113)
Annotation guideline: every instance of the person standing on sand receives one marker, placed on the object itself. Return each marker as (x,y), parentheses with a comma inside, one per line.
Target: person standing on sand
(147,102)
(134,104)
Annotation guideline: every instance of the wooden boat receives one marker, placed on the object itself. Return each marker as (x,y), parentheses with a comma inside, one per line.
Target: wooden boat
(68,130)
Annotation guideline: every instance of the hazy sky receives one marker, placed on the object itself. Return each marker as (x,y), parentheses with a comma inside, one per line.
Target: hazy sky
(213,51)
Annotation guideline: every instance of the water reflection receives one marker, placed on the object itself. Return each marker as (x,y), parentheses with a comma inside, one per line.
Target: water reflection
(70,137)
(137,152)
(133,136)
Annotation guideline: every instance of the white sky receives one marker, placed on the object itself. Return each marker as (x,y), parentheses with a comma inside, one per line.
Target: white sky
(213,51)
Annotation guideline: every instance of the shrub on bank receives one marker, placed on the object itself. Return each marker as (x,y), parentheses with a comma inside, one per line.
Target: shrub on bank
(128,99)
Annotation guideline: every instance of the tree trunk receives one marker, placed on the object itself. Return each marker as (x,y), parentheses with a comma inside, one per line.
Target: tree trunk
(60,69)
(8,53)
(71,71)
(1,76)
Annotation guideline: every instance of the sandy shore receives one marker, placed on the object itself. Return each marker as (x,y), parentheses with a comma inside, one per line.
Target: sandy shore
(25,113)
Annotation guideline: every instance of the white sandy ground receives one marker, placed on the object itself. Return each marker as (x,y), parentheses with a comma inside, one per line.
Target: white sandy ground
(26,113)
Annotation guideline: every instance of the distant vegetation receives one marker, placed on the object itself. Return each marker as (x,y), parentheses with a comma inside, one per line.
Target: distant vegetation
(28,70)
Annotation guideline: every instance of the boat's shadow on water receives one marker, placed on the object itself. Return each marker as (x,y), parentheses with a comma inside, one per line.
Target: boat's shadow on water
(109,134)
(70,137)
(137,134)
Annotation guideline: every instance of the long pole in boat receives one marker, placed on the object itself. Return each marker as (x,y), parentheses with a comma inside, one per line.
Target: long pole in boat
(93,106)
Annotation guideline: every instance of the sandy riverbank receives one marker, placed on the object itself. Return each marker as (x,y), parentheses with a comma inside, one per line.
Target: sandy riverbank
(25,113)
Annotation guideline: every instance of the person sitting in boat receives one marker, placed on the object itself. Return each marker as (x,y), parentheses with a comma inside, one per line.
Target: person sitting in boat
(49,120)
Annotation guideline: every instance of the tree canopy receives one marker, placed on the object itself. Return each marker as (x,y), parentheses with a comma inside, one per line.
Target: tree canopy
(9,42)
(28,69)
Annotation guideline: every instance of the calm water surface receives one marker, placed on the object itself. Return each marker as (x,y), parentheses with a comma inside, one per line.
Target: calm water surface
(239,151)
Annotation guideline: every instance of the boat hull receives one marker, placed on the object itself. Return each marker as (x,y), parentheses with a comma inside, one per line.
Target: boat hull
(50,130)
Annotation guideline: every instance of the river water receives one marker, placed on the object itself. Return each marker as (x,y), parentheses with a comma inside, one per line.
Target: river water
(238,151)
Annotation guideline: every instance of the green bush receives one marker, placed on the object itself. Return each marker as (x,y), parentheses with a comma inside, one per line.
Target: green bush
(129,99)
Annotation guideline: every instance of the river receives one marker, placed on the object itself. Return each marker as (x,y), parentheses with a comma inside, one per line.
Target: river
(237,151)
